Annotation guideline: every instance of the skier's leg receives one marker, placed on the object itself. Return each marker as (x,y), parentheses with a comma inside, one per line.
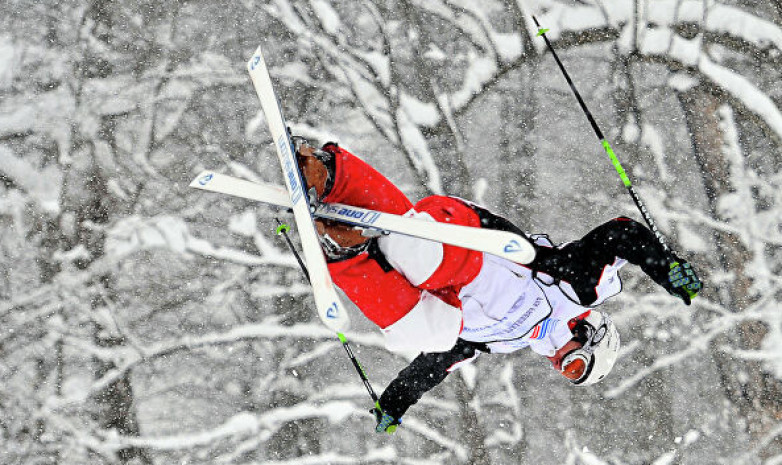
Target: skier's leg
(581,263)
(447,266)
(431,265)
(410,318)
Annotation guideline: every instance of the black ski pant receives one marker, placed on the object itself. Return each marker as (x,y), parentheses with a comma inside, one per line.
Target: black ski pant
(581,263)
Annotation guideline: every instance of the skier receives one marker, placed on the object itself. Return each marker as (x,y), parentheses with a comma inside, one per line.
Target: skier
(451,303)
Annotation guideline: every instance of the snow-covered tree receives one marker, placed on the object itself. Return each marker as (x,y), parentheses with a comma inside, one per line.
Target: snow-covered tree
(147,323)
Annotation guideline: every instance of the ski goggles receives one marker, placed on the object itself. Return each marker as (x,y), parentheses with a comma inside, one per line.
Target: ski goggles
(575,364)
(298,142)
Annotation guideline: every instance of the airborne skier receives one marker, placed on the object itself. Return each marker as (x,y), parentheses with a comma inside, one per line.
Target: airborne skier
(451,303)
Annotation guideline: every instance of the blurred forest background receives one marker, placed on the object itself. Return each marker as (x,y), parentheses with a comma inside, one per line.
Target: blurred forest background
(143,322)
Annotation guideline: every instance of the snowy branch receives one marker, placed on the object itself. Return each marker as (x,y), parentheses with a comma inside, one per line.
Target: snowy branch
(240,425)
(697,343)
(126,359)
(454,446)
(662,42)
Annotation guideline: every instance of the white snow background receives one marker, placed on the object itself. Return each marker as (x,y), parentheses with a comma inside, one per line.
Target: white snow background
(144,322)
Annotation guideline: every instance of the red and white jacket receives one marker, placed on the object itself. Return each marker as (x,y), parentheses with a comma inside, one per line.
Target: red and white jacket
(433,293)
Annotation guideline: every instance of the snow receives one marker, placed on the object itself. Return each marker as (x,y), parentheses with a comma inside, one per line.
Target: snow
(284,11)
(242,423)
(381,64)
(134,234)
(327,16)
(418,112)
(435,436)
(508,45)
(77,253)
(479,71)
(479,190)
(469,374)
(746,92)
(682,81)
(697,344)
(7,54)
(435,53)
(41,185)
(691,239)
(559,18)
(731,206)
(653,140)
(630,131)
(289,73)
(416,145)
(720,18)
(212,326)
(667,458)
(587,457)
(381,454)
(691,436)
(244,224)
(664,42)
(255,125)
(48,114)
(128,358)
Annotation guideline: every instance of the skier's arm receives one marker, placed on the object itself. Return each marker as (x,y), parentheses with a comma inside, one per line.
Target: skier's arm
(424,373)
(341,177)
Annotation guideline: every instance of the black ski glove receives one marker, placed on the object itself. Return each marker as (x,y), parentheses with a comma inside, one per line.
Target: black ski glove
(684,282)
(385,422)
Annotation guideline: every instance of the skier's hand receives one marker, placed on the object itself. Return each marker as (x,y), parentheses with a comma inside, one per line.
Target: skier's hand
(314,171)
(385,422)
(685,284)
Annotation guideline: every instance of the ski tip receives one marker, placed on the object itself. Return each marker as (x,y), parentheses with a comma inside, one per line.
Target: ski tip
(335,317)
(519,251)
(339,326)
(204,178)
(255,60)
(510,246)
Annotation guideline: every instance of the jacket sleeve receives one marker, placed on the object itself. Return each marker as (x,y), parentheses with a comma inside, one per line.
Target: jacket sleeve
(424,373)
(356,183)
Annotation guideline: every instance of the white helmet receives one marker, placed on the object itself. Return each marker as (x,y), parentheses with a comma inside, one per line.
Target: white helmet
(600,347)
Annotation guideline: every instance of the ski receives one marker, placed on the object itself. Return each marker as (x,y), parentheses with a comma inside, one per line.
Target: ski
(500,243)
(330,309)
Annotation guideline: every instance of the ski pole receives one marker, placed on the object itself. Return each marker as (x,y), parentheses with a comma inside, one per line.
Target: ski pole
(282,229)
(614,160)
